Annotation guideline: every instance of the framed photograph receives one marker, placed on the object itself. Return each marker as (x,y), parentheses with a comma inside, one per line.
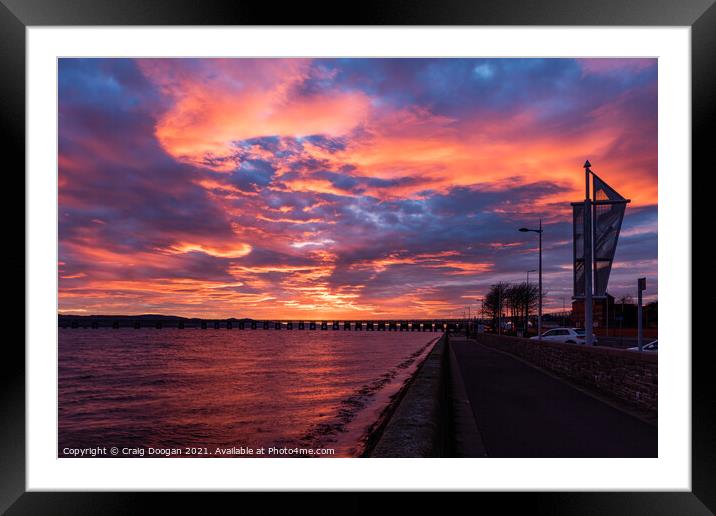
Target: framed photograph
(413,250)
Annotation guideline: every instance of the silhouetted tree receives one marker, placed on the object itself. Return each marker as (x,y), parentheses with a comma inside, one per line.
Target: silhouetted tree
(515,301)
(625,300)
(523,298)
(495,302)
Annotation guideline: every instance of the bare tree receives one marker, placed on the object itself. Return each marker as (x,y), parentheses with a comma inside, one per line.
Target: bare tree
(523,298)
(495,303)
(625,300)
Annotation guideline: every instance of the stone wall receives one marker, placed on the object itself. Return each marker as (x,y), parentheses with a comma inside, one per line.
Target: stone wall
(629,376)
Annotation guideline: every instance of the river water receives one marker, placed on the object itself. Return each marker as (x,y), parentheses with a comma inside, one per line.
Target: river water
(215,393)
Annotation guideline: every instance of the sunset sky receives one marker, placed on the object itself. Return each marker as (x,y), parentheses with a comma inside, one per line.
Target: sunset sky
(346,188)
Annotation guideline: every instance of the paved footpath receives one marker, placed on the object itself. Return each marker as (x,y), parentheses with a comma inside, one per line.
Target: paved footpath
(521,411)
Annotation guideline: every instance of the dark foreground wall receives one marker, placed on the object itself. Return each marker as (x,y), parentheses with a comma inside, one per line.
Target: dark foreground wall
(626,375)
(418,425)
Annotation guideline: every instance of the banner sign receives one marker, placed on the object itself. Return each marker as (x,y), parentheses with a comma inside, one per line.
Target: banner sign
(608,208)
(607,224)
(578,243)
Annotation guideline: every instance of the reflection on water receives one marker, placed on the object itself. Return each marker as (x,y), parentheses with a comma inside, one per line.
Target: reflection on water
(219,388)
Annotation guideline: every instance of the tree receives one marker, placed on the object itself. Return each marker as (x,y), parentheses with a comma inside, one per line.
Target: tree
(522,299)
(625,300)
(515,301)
(495,302)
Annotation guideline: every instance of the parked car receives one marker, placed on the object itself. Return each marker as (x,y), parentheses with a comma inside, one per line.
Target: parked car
(566,335)
(652,346)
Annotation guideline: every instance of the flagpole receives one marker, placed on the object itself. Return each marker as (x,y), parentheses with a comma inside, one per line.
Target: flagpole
(588,322)
(599,232)
(539,314)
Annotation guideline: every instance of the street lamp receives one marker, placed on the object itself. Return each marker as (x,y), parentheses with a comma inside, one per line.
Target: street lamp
(539,313)
(528,275)
(527,308)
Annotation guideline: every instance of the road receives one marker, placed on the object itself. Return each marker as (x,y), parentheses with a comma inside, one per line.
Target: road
(521,411)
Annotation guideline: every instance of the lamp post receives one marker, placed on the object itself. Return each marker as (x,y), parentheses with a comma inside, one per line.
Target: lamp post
(527,307)
(539,312)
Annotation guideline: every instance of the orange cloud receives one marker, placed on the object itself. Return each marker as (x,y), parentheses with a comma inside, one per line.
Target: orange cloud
(223,251)
(211,110)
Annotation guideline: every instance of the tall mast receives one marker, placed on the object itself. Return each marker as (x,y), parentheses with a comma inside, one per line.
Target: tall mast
(588,322)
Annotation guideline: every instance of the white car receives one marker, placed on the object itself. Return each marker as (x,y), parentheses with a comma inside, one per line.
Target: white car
(566,335)
(652,346)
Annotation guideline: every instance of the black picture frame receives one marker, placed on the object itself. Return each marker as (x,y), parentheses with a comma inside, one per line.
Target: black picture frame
(16,15)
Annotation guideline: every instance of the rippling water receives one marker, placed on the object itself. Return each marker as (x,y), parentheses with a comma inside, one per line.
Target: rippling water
(221,389)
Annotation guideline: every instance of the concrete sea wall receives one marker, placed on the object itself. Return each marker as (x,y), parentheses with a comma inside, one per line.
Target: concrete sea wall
(418,426)
(629,376)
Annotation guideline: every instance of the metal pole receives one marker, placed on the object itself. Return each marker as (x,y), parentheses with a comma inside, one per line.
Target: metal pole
(588,323)
(539,316)
(641,286)
(640,329)
(499,312)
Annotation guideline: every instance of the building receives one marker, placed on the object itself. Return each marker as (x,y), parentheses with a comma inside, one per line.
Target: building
(622,317)
(603,312)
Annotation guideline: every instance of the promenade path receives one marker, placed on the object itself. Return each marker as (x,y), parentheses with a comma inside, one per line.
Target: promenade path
(522,411)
